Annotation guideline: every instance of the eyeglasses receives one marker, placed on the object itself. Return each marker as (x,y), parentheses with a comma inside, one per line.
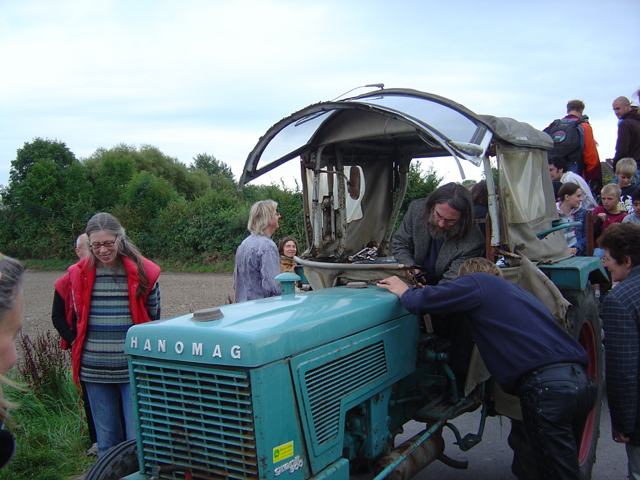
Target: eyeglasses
(447,221)
(97,245)
(605,259)
(277,214)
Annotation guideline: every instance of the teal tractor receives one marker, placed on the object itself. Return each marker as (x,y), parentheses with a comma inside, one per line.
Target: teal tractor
(317,384)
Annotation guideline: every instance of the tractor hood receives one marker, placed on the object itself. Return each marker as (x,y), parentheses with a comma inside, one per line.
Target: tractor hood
(258,332)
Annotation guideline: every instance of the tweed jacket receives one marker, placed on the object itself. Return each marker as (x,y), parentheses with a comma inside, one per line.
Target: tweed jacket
(620,318)
(412,243)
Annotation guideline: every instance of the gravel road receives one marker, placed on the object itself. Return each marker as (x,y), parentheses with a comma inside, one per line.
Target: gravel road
(181,293)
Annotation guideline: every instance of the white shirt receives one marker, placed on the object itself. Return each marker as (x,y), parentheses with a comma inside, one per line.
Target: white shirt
(588,202)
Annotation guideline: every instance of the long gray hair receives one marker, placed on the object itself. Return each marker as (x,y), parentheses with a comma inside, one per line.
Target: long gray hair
(105,222)
(457,197)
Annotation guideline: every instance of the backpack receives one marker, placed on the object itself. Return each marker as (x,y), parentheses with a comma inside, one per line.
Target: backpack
(567,142)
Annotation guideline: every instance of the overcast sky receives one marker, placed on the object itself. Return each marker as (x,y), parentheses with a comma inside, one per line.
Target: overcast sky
(194,77)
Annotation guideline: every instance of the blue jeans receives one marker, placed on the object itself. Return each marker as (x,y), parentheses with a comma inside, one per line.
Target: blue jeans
(105,405)
(555,401)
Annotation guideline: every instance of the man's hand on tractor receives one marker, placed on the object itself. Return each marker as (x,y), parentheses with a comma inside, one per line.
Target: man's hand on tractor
(394,285)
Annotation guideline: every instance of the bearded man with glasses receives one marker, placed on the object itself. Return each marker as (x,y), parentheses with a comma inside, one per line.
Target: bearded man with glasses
(438,234)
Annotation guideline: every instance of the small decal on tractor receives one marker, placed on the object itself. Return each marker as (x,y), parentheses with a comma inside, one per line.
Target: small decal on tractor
(282,451)
(292,466)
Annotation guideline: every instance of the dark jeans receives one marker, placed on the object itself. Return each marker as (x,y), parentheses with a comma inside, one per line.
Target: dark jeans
(555,401)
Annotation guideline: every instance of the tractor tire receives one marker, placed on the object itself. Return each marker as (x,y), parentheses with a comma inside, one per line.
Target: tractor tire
(584,324)
(119,461)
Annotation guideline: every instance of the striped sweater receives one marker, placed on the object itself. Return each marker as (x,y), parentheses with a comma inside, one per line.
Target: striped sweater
(103,358)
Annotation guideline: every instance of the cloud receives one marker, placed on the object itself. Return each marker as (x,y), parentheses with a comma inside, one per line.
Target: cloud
(192,77)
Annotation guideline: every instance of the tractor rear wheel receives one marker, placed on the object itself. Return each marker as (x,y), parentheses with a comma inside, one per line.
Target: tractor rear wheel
(585,325)
(119,461)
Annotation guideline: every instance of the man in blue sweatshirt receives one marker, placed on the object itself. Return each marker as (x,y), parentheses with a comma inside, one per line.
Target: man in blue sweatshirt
(525,350)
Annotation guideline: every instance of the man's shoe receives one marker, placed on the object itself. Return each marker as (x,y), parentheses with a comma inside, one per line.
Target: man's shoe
(93,451)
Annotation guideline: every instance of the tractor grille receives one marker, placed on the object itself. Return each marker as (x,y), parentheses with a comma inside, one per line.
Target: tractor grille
(196,420)
(329,384)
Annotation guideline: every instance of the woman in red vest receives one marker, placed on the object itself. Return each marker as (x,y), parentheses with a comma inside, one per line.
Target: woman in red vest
(113,288)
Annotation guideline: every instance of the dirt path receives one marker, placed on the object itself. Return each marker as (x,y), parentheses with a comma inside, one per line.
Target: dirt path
(181,293)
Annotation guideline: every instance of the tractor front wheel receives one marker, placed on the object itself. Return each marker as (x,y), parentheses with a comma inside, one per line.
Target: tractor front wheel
(119,461)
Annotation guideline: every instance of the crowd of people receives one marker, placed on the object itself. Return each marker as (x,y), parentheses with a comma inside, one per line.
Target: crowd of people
(112,287)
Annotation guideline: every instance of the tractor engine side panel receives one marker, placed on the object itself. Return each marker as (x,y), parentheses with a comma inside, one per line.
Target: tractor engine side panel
(332,379)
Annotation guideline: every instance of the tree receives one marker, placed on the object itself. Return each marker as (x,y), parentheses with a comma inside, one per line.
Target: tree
(420,185)
(39,150)
(211,165)
(43,204)
(112,169)
(219,173)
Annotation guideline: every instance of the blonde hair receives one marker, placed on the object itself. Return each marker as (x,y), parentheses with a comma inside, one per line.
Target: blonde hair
(626,166)
(611,188)
(11,272)
(479,265)
(260,216)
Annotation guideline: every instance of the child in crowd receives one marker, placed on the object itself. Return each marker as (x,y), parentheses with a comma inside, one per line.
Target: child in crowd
(625,170)
(608,213)
(570,210)
(635,216)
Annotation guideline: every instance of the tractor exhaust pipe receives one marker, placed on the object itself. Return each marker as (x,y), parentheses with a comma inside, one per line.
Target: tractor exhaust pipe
(428,451)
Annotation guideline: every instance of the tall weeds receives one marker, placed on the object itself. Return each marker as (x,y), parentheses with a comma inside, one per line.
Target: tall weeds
(44,364)
(48,424)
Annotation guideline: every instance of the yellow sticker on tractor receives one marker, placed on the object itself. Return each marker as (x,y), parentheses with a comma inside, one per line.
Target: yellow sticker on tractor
(283,451)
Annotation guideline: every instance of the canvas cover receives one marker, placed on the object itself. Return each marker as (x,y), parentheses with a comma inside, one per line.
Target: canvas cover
(527,204)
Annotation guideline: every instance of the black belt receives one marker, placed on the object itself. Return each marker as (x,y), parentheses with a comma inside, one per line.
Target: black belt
(544,368)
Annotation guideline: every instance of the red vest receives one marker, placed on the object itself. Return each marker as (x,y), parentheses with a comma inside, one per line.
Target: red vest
(82,279)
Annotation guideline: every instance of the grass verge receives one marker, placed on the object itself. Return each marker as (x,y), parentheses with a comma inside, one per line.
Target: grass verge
(48,430)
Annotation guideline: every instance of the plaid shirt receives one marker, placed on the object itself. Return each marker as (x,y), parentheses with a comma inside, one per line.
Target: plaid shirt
(621,316)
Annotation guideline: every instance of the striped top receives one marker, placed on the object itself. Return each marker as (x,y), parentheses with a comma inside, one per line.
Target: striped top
(103,359)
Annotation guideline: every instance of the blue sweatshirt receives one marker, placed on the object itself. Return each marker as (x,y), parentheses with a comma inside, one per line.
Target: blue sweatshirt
(514,331)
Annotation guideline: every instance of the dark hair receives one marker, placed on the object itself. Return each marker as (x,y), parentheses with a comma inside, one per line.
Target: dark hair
(622,240)
(105,222)
(575,105)
(479,193)
(458,198)
(283,242)
(568,188)
(556,188)
(635,195)
(559,162)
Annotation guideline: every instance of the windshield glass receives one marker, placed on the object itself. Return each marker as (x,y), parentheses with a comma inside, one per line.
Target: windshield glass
(450,123)
(293,136)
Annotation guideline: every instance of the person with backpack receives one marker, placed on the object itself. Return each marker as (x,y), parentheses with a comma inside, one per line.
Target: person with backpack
(573,141)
